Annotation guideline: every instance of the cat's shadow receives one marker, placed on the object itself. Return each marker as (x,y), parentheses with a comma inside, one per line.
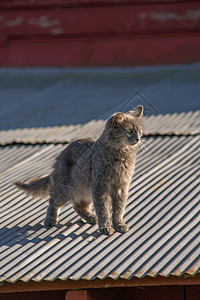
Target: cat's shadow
(39,232)
(80,223)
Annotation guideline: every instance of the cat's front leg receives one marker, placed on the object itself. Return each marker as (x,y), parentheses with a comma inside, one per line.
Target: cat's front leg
(118,207)
(102,202)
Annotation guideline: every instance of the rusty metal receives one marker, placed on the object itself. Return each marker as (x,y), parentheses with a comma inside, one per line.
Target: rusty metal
(21,286)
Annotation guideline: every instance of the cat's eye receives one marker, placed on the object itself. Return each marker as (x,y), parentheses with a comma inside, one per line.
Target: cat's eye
(129,130)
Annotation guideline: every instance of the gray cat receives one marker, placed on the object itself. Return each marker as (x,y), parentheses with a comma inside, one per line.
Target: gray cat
(94,172)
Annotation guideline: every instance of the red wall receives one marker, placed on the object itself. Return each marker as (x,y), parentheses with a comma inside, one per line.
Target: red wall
(139,293)
(83,32)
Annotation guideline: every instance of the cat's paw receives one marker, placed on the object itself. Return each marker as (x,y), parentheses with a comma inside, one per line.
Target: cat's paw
(108,230)
(50,222)
(122,227)
(92,220)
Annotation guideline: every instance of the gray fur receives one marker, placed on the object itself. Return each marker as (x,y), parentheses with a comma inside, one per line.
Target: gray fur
(94,173)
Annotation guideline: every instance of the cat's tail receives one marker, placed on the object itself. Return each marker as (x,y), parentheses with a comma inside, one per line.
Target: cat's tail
(36,187)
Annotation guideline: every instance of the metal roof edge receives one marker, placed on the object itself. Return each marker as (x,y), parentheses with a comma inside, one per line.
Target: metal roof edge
(164,125)
(69,284)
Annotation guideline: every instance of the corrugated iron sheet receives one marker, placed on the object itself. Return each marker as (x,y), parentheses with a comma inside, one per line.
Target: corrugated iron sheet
(176,124)
(164,201)
(162,213)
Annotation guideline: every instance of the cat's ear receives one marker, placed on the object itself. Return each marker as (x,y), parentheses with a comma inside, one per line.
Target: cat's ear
(117,119)
(138,111)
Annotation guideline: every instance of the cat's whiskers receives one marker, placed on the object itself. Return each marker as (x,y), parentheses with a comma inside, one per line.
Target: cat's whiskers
(146,143)
(143,146)
(140,143)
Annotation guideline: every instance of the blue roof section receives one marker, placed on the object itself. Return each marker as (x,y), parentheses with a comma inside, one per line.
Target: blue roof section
(42,97)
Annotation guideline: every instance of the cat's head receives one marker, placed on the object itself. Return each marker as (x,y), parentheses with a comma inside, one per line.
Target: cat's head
(125,128)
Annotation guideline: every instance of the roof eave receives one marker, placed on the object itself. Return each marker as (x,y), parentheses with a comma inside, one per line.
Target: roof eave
(69,284)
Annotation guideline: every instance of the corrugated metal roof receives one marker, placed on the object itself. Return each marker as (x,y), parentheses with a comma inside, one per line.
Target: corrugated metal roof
(162,213)
(163,209)
(43,97)
(177,124)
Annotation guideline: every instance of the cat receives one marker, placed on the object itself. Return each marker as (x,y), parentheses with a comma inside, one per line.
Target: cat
(97,173)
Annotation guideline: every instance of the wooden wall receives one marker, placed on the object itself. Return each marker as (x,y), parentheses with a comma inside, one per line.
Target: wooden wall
(139,293)
(96,33)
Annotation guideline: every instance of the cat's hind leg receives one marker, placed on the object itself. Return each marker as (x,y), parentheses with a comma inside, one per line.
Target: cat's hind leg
(52,216)
(61,194)
(84,210)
